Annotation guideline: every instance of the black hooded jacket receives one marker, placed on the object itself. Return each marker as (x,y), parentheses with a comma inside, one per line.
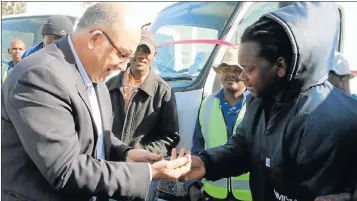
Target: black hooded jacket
(306,145)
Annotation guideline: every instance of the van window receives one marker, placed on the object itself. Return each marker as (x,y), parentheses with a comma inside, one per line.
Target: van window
(166,53)
(189,54)
(27,29)
(256,10)
(181,64)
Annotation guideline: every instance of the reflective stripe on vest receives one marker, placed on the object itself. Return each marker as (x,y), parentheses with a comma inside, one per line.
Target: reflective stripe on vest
(214,131)
(236,184)
(4,71)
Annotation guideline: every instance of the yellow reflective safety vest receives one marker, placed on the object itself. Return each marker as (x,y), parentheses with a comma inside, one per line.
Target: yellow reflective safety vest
(214,131)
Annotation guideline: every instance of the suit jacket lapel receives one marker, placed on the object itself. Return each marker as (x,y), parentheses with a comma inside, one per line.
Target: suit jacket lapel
(102,104)
(63,45)
(82,91)
(106,112)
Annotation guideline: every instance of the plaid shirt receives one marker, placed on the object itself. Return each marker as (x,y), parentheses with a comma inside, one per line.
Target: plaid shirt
(130,85)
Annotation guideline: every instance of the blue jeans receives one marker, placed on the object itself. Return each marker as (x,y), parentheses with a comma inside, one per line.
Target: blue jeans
(152,194)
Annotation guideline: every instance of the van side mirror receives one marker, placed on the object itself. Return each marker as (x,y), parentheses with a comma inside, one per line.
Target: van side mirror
(145,26)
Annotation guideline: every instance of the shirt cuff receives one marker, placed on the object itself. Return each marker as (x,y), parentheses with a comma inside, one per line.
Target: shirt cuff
(150,190)
(150,171)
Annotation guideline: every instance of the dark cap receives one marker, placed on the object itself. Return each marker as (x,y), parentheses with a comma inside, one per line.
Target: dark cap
(148,39)
(58,25)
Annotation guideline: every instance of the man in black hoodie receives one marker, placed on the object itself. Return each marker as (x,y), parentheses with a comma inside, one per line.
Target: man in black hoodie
(298,138)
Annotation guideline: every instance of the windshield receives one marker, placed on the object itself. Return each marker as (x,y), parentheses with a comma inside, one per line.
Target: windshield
(181,63)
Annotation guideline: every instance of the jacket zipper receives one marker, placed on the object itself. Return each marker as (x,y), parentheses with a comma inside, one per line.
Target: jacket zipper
(229,180)
(126,112)
(230,185)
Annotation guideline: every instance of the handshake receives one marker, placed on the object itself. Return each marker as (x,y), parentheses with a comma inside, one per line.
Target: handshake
(183,167)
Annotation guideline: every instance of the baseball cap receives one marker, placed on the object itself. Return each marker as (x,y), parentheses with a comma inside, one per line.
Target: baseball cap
(230,58)
(148,39)
(342,65)
(58,25)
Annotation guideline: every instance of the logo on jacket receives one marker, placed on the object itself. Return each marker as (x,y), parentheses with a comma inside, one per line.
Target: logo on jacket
(267,162)
(281,197)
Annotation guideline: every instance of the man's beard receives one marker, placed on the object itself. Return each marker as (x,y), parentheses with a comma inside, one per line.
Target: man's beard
(275,89)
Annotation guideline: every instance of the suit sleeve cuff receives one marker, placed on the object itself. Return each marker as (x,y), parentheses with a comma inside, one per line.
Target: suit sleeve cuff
(188,184)
(148,191)
(206,160)
(120,152)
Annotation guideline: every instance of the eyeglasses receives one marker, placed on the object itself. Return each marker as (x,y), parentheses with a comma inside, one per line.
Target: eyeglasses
(122,57)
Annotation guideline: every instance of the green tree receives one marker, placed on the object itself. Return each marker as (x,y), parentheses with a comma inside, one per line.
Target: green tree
(12,7)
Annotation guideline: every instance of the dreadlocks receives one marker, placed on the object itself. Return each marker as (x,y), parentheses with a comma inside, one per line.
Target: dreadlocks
(271,37)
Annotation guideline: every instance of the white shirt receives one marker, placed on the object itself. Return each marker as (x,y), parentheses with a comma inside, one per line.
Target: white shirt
(93,104)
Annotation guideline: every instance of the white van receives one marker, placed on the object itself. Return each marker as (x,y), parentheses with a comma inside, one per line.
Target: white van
(187,21)
(219,21)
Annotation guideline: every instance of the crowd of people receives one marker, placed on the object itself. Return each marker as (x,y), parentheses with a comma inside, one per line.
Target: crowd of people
(283,126)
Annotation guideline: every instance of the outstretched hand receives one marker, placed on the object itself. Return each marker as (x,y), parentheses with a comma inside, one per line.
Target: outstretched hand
(173,169)
(197,171)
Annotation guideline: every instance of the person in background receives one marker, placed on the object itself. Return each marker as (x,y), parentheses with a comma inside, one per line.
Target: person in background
(340,75)
(56,27)
(219,116)
(144,105)
(56,119)
(16,49)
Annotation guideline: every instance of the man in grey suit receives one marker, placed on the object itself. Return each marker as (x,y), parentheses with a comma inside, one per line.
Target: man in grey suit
(56,140)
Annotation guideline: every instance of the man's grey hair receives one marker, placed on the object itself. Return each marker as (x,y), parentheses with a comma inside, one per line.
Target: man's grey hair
(108,14)
(116,17)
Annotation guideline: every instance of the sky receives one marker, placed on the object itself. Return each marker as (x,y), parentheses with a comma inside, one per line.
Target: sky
(146,11)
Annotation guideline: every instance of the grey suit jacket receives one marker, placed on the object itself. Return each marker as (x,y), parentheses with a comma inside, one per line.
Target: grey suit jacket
(49,137)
